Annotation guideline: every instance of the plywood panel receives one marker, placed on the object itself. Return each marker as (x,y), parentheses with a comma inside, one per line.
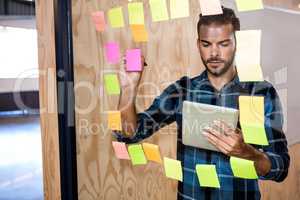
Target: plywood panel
(170,53)
(289,188)
(48,97)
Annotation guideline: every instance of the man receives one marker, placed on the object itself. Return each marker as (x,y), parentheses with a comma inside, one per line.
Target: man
(217,85)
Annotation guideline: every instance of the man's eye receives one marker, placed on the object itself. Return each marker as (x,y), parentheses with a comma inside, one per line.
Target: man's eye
(225,44)
(205,44)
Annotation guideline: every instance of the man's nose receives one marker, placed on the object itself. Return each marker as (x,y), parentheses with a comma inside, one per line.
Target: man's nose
(215,51)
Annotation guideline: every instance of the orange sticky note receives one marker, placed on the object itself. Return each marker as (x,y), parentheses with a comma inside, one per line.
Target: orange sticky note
(121,150)
(114,120)
(99,20)
(152,152)
(139,33)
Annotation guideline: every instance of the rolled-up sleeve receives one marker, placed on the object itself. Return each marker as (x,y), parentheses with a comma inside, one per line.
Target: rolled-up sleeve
(277,151)
(161,113)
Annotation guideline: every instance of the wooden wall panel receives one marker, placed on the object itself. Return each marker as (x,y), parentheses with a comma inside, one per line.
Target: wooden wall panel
(170,53)
(48,99)
(289,189)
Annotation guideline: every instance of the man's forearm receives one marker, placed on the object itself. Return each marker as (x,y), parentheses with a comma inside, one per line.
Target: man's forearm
(128,111)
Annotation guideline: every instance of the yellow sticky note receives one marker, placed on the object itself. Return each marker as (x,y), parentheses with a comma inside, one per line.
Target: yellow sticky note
(243,168)
(210,7)
(114,120)
(173,168)
(115,16)
(159,10)
(248,5)
(152,152)
(207,176)
(252,119)
(136,13)
(179,8)
(137,154)
(248,55)
(139,33)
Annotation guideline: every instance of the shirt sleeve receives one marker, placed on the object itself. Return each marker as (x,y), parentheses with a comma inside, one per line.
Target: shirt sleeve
(162,112)
(277,151)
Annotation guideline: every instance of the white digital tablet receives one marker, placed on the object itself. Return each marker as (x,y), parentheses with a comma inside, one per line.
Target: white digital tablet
(197,116)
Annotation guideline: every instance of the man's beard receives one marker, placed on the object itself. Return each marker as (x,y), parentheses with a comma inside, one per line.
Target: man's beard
(227,66)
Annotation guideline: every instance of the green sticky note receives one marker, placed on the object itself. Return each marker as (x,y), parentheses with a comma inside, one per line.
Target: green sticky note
(115,16)
(159,10)
(207,176)
(137,154)
(112,84)
(243,168)
(248,5)
(173,169)
(179,8)
(254,134)
(136,13)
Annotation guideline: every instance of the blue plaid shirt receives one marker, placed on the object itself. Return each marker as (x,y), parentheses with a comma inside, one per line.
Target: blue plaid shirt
(167,108)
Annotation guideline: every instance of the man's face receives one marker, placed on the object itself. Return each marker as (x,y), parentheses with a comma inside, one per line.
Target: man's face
(217,47)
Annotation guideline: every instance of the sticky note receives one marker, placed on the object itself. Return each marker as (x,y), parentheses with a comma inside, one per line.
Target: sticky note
(248,55)
(173,169)
(112,84)
(114,120)
(243,168)
(207,176)
(99,20)
(152,152)
(210,7)
(133,60)
(115,16)
(137,154)
(136,13)
(159,10)
(179,8)
(139,33)
(248,5)
(120,150)
(112,51)
(252,120)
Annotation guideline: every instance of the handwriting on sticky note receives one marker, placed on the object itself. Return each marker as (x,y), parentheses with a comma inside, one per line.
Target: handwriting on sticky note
(133,60)
(137,154)
(248,55)
(207,176)
(112,84)
(248,5)
(159,10)
(210,7)
(252,119)
(114,120)
(179,8)
(136,13)
(152,152)
(115,16)
(173,168)
(243,168)
(112,52)
(120,150)
(99,20)
(139,33)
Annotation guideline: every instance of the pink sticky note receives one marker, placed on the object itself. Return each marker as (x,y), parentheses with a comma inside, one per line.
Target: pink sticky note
(121,150)
(99,20)
(112,52)
(133,60)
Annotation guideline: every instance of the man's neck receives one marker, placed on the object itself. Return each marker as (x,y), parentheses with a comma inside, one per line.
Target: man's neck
(219,82)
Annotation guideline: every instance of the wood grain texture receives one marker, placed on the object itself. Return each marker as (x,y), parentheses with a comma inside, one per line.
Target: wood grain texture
(48,99)
(289,188)
(287,4)
(170,53)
